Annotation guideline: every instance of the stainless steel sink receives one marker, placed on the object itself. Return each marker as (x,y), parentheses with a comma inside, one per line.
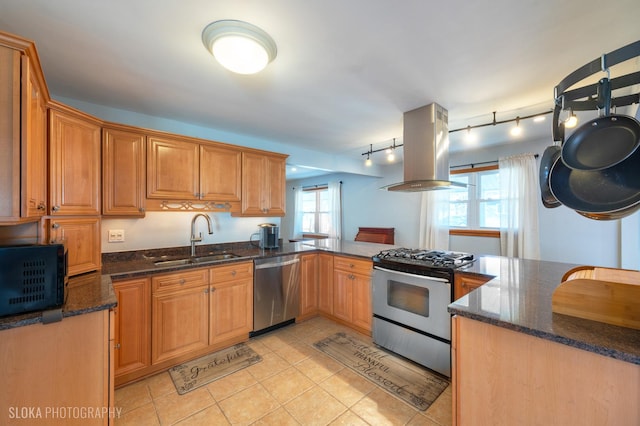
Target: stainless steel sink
(193,260)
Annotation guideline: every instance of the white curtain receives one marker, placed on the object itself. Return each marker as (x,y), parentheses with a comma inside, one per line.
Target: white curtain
(434,220)
(519,235)
(335,209)
(297,218)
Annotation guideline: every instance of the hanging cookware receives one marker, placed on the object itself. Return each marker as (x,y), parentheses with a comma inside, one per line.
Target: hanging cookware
(549,156)
(604,141)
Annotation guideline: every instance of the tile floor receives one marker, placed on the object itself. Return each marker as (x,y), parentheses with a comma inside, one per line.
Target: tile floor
(294,384)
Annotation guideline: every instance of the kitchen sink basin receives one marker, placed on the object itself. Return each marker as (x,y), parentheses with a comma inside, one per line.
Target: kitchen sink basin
(194,260)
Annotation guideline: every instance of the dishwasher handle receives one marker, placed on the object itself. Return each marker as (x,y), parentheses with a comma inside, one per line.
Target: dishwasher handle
(276,264)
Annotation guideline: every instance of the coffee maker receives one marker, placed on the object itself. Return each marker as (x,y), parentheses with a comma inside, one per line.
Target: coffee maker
(269,236)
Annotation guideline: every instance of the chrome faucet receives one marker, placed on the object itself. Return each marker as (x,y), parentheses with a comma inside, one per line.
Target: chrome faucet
(197,239)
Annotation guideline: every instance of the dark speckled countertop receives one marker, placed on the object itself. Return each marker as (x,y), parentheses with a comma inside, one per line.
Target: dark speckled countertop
(519,298)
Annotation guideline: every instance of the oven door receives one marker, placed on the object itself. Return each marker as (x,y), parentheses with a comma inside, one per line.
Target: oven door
(414,301)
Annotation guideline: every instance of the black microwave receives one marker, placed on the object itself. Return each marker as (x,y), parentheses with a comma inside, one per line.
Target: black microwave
(32,278)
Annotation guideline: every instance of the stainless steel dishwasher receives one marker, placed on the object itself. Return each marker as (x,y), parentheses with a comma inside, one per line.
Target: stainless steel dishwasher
(276,292)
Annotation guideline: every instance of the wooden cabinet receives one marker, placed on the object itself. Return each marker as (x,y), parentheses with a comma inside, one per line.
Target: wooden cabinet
(308,285)
(230,302)
(464,283)
(23,144)
(132,320)
(263,184)
(352,292)
(62,365)
(180,169)
(74,162)
(123,172)
(325,283)
(81,235)
(180,314)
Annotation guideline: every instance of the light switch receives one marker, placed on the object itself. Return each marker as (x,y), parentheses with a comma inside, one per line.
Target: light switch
(116,235)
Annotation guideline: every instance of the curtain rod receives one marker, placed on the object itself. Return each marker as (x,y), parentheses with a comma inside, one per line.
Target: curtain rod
(472,165)
(320,185)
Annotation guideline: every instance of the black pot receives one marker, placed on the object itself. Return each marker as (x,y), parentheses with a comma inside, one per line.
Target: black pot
(549,157)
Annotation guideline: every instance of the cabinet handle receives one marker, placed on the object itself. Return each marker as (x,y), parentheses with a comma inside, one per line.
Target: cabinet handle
(116,346)
(182,281)
(42,206)
(206,291)
(233,273)
(212,289)
(141,210)
(55,226)
(55,208)
(352,277)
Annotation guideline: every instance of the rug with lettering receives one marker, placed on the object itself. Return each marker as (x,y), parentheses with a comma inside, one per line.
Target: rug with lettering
(199,372)
(408,381)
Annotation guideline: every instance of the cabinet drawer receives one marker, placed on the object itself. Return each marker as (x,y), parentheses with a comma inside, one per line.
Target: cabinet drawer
(234,271)
(180,280)
(352,265)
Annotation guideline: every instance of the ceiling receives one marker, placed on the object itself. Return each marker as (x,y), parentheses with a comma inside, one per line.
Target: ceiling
(345,71)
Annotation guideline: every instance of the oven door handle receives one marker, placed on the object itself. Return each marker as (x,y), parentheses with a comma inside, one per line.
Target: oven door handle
(424,277)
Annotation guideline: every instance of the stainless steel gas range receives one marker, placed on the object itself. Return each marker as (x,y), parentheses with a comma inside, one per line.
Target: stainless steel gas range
(411,291)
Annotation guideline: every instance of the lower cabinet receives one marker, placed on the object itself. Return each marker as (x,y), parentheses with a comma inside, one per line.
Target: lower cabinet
(231,302)
(325,283)
(352,292)
(464,283)
(308,285)
(132,319)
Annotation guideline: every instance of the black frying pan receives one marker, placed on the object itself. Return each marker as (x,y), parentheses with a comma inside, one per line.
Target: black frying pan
(604,141)
(549,156)
(604,194)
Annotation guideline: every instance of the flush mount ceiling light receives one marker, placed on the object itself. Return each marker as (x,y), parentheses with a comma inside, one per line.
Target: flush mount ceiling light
(239,46)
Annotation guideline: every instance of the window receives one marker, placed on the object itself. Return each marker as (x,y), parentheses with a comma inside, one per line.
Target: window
(315,211)
(478,205)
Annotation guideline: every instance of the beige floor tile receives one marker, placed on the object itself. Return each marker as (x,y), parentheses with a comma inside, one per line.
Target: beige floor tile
(132,396)
(347,387)
(211,416)
(271,364)
(318,367)
(161,385)
(380,408)
(173,407)
(421,420)
(279,417)
(287,384)
(144,415)
(441,409)
(315,407)
(248,405)
(295,352)
(233,383)
(349,418)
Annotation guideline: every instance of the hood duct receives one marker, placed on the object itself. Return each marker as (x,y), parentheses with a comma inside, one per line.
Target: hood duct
(426,150)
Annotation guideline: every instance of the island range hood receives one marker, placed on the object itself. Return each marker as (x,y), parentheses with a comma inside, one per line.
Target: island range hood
(426,150)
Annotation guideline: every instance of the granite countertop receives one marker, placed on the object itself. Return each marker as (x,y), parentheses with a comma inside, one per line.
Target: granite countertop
(86,293)
(519,299)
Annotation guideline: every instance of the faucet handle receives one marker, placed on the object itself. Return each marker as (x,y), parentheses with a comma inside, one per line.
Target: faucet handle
(196,239)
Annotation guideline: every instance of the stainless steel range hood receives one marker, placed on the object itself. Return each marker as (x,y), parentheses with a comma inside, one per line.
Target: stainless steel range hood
(426,150)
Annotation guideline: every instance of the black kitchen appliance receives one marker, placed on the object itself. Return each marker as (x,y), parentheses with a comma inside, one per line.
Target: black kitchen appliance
(32,278)
(411,291)
(268,237)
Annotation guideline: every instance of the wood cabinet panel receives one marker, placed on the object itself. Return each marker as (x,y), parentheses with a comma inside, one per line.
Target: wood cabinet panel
(9,134)
(464,283)
(325,283)
(263,185)
(81,235)
(180,280)
(132,325)
(173,168)
(220,173)
(231,302)
(123,173)
(308,285)
(74,161)
(343,295)
(352,292)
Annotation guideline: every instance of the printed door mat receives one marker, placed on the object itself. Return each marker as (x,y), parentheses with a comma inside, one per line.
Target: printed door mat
(199,372)
(413,384)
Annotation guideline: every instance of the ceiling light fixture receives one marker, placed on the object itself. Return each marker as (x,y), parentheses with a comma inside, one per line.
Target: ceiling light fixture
(516,130)
(571,121)
(239,46)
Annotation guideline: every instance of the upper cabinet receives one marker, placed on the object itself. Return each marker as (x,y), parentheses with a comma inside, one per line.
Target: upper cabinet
(263,184)
(186,171)
(123,172)
(74,160)
(23,143)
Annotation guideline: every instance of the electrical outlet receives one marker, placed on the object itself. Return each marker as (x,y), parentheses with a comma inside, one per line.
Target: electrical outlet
(116,235)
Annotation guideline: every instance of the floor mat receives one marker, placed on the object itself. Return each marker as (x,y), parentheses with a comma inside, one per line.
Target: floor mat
(199,372)
(417,386)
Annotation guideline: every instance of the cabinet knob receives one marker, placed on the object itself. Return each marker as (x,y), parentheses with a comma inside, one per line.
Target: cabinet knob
(141,210)
(55,226)
(352,277)
(182,281)
(42,206)
(206,290)
(233,273)
(116,346)
(55,208)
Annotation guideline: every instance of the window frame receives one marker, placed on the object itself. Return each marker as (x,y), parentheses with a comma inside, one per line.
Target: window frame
(315,233)
(468,232)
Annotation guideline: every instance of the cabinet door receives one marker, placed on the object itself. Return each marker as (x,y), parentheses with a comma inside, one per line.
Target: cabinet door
(34,142)
(9,134)
(263,185)
(220,173)
(343,283)
(74,164)
(309,285)
(231,313)
(123,173)
(362,307)
(81,235)
(173,169)
(180,323)
(132,325)
(465,283)
(325,283)
(276,178)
